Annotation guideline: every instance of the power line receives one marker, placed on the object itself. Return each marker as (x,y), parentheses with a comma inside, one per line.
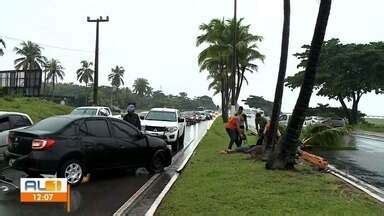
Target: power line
(47,45)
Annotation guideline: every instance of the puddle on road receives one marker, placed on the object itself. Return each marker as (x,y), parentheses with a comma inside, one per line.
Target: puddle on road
(365,163)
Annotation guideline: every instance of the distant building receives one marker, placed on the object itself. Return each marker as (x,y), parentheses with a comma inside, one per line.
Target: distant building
(27,83)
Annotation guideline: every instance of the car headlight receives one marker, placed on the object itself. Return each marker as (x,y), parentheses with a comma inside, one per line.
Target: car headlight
(172,129)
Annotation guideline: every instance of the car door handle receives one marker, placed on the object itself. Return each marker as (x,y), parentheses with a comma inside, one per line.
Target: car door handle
(122,146)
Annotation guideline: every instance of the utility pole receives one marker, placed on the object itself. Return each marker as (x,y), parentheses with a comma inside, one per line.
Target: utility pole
(234,59)
(96,77)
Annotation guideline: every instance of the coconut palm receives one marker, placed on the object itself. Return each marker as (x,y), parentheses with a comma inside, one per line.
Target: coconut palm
(1,50)
(288,145)
(280,79)
(217,57)
(116,76)
(141,87)
(85,73)
(31,56)
(54,71)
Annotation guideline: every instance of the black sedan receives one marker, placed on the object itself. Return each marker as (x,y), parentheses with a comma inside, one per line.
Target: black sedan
(72,146)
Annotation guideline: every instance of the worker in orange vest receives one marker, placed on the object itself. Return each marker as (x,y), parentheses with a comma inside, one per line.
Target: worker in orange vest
(233,129)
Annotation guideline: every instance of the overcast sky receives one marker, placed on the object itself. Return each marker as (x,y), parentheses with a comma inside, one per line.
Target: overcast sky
(156,39)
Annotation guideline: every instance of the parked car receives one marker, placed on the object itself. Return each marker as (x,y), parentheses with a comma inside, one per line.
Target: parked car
(284,119)
(190,118)
(335,122)
(167,124)
(92,111)
(10,121)
(71,146)
(142,115)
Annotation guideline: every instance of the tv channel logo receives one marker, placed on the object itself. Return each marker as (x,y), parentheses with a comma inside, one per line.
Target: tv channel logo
(43,190)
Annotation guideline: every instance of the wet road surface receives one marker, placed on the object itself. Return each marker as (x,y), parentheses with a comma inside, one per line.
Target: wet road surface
(103,195)
(365,163)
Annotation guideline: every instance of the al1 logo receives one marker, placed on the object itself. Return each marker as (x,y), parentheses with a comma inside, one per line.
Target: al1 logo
(44,190)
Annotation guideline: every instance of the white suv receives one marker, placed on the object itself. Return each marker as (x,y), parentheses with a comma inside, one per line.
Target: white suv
(167,124)
(92,111)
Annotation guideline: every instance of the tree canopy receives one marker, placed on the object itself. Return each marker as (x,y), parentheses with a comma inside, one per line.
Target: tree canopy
(259,102)
(346,72)
(217,57)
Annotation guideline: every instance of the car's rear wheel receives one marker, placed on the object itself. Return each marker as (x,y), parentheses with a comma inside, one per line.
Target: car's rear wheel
(156,164)
(73,170)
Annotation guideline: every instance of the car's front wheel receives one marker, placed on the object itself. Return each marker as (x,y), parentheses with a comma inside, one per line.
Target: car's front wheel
(156,164)
(73,170)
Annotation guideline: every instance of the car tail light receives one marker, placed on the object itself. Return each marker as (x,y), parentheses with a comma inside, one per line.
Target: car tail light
(43,144)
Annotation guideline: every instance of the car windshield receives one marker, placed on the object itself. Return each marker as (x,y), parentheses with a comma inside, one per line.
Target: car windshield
(52,124)
(84,111)
(161,116)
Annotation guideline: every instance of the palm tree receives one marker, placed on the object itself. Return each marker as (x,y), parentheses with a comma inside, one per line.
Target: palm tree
(85,73)
(217,57)
(141,87)
(31,58)
(116,77)
(54,71)
(288,145)
(280,79)
(1,50)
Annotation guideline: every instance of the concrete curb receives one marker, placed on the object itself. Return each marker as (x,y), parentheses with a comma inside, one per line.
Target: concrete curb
(132,199)
(371,190)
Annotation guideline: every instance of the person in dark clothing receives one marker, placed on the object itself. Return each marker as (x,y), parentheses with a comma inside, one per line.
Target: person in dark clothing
(132,117)
(243,124)
(260,123)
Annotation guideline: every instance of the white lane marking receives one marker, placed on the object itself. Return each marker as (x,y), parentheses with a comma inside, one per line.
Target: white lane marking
(132,199)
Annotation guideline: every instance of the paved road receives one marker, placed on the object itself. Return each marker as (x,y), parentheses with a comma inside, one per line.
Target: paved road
(102,196)
(365,163)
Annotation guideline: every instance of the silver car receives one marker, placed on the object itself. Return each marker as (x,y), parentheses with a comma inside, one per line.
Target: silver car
(10,121)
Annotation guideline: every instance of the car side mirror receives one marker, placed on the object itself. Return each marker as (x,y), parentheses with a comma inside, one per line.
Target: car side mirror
(142,117)
(180,120)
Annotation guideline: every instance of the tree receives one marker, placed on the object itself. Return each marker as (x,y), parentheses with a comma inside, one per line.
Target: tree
(54,71)
(259,102)
(346,72)
(116,76)
(1,50)
(85,73)
(31,58)
(280,79)
(141,87)
(284,158)
(217,57)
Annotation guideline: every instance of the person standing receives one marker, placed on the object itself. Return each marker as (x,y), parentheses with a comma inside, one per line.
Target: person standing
(260,123)
(243,123)
(131,117)
(233,130)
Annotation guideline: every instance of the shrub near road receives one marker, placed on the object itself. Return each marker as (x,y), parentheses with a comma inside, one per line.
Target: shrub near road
(218,184)
(36,108)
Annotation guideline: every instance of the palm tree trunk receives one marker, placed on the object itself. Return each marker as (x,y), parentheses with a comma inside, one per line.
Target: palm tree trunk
(234,60)
(280,79)
(287,148)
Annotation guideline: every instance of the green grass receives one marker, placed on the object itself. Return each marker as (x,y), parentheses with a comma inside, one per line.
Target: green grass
(219,184)
(376,121)
(36,108)
(371,127)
